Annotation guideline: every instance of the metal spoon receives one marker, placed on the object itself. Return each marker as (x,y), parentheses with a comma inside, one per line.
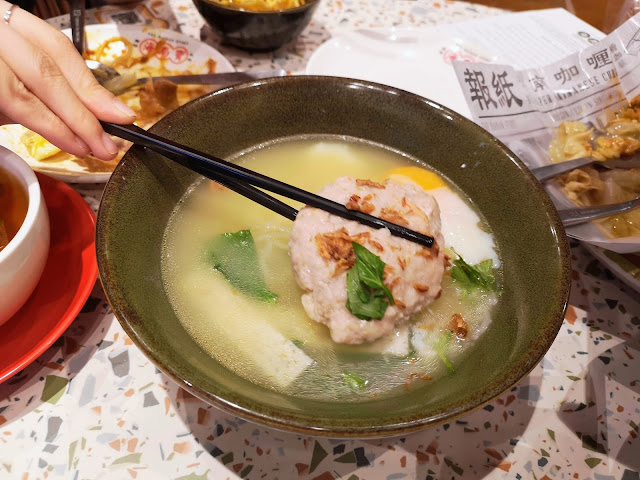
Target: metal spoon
(102,72)
(547,172)
(117,83)
(576,216)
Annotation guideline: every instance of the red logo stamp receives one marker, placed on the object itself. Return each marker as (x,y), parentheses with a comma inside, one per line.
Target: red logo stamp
(449,56)
(175,55)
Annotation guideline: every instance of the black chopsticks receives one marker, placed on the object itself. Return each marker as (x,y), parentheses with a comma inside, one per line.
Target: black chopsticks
(244,181)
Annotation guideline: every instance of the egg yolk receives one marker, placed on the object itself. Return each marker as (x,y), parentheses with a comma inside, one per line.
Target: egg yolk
(425,178)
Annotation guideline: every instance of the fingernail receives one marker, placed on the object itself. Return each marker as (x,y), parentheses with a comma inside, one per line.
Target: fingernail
(82,146)
(111,147)
(123,108)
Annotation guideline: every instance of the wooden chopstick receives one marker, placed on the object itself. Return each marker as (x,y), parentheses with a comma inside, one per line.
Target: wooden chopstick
(42,9)
(64,7)
(240,178)
(54,8)
(46,9)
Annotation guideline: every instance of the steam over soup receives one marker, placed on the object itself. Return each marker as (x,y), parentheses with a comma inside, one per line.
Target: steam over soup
(13,207)
(228,273)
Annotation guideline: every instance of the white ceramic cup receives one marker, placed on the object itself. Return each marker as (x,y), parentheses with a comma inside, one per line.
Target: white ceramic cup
(23,259)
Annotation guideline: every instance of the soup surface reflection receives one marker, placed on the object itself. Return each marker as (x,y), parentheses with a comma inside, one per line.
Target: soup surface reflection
(274,343)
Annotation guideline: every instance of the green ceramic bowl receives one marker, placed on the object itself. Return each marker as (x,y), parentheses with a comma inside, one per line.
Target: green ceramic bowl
(145,188)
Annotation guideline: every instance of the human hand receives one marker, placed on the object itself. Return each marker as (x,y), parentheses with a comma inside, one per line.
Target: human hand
(46,86)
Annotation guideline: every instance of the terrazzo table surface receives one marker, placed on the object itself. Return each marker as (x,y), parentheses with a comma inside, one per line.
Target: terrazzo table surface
(93,407)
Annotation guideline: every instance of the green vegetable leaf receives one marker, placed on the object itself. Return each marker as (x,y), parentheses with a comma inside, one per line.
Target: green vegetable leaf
(441,347)
(474,276)
(235,256)
(367,295)
(354,381)
(364,302)
(371,269)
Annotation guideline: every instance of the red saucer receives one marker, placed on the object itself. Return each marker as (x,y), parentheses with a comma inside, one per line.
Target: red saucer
(65,285)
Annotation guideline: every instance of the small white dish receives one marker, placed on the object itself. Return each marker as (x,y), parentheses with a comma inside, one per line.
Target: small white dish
(23,259)
(414,59)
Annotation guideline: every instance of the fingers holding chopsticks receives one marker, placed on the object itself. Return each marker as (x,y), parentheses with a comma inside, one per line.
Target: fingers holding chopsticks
(27,109)
(45,86)
(99,100)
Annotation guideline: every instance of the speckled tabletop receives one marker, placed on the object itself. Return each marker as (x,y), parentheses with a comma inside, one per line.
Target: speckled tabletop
(94,407)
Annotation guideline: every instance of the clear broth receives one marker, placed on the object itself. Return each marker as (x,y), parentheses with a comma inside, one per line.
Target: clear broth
(271,344)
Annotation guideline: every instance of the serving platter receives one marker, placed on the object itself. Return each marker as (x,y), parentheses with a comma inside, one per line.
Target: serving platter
(68,278)
(179,54)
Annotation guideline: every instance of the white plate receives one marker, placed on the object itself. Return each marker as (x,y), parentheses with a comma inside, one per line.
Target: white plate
(181,53)
(413,59)
(617,264)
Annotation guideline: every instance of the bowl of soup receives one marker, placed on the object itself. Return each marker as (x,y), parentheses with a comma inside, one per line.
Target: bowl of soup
(321,325)
(24,233)
(257,25)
